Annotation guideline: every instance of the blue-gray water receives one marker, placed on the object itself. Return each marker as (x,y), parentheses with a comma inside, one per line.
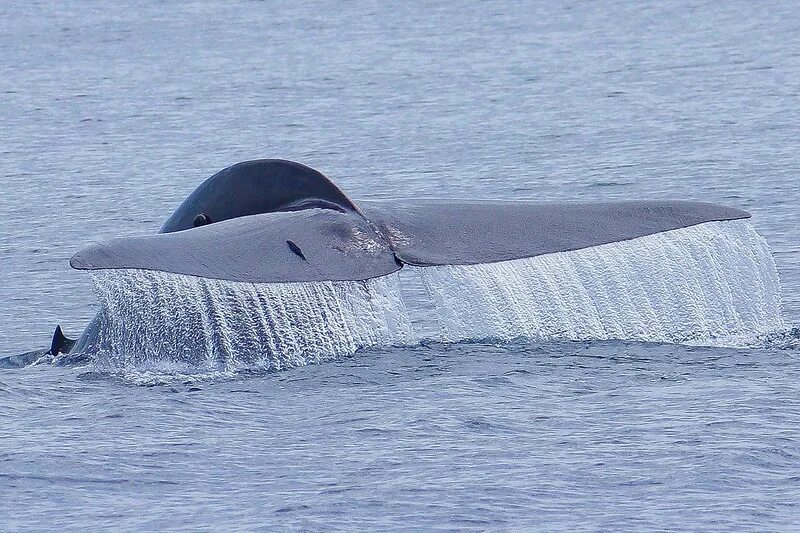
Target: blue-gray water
(111,114)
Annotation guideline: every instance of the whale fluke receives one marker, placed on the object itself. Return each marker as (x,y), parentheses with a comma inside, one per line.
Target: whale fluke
(327,245)
(275,221)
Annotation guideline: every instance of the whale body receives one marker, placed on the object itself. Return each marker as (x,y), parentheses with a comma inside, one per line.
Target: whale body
(276,221)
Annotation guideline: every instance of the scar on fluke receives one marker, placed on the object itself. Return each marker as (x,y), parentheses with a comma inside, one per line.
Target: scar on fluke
(296,250)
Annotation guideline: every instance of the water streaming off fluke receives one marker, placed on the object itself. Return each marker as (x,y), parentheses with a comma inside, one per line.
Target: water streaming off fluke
(170,321)
(713,283)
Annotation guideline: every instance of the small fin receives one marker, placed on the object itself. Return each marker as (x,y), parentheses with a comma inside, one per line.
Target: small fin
(296,250)
(61,343)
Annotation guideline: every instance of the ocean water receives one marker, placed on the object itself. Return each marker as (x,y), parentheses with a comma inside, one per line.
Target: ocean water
(484,406)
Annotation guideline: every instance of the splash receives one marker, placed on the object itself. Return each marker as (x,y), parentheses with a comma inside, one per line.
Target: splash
(153,321)
(714,283)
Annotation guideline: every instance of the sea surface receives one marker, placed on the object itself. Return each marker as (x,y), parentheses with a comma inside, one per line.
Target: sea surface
(110,114)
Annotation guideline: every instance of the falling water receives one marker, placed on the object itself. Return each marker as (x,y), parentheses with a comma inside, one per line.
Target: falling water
(175,322)
(713,283)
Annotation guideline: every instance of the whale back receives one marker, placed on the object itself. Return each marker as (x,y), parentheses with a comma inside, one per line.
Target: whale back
(257,187)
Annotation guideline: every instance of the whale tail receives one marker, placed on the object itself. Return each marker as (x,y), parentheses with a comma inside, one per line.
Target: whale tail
(283,233)
(60,343)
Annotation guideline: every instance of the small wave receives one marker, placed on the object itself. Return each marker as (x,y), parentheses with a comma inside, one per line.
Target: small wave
(788,339)
(23,359)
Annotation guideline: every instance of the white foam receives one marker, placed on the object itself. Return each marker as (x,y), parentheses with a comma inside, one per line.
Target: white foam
(714,283)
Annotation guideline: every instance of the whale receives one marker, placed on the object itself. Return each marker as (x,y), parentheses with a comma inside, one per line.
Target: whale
(279,221)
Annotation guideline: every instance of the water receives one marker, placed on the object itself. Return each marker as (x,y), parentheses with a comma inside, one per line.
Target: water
(110,116)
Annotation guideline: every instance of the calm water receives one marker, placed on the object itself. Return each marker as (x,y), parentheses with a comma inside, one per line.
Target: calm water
(111,115)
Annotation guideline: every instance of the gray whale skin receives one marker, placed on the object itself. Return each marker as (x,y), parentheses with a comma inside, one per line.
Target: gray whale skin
(276,221)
